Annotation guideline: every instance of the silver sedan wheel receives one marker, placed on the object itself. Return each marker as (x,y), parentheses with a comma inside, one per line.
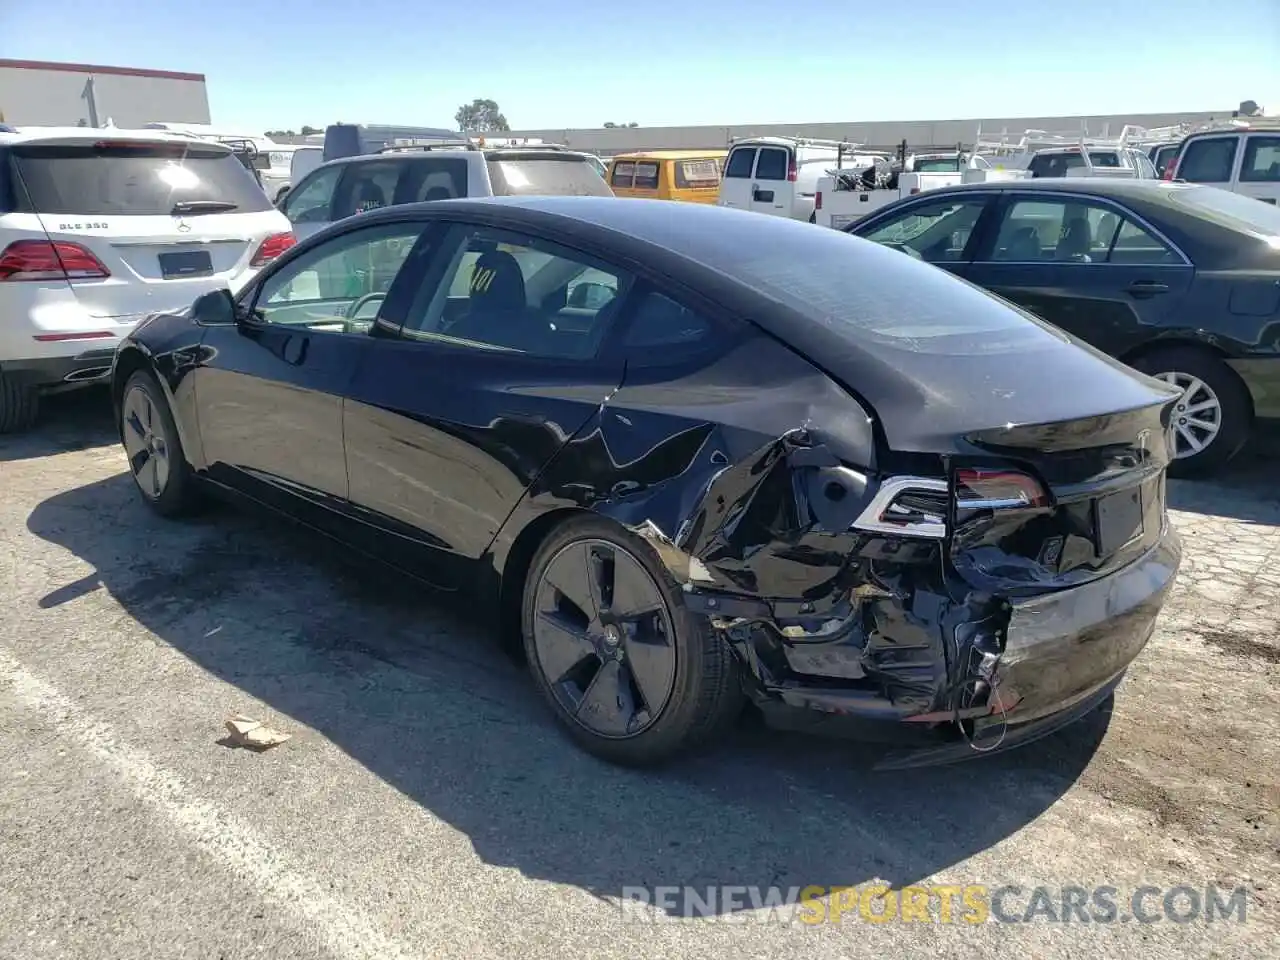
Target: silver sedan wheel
(1197,417)
(145,443)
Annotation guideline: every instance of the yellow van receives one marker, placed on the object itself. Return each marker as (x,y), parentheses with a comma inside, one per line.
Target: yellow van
(689,175)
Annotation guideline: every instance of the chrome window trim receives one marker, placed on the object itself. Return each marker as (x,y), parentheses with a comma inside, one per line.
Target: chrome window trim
(1043,196)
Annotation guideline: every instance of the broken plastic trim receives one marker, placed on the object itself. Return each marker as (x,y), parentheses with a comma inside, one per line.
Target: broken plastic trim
(914,523)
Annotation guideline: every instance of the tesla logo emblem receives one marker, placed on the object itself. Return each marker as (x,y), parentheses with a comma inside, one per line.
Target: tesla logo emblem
(482,280)
(184,227)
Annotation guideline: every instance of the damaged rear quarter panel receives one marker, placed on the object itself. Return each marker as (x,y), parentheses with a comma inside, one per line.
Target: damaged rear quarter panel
(737,472)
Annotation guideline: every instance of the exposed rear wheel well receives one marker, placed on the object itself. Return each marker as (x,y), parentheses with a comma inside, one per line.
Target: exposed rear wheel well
(516,569)
(127,363)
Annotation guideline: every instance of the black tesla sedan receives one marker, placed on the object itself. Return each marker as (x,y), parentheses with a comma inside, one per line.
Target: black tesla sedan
(1178,280)
(688,453)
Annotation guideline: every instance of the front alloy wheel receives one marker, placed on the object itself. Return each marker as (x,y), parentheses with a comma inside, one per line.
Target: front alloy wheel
(145,442)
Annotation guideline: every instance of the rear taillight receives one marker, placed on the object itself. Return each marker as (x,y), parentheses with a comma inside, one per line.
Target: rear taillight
(907,507)
(271,248)
(25,260)
(817,200)
(793,170)
(978,489)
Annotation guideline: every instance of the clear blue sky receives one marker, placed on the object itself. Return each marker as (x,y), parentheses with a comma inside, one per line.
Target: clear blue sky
(571,63)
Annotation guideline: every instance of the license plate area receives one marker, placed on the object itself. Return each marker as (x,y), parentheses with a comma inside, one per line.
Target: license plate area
(1118,520)
(183,264)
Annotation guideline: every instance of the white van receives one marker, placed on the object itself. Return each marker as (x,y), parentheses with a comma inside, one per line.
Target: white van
(1243,158)
(779,175)
(303,161)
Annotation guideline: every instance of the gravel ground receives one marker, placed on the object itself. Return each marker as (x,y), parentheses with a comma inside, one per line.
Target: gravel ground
(426,806)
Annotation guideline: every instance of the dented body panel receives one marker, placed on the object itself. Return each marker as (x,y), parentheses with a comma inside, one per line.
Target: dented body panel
(897,498)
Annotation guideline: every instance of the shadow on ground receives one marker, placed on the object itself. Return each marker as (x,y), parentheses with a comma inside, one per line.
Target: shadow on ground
(76,420)
(409,686)
(1245,490)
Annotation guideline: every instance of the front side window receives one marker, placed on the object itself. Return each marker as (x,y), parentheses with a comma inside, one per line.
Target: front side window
(937,230)
(1261,160)
(502,291)
(1208,160)
(1075,231)
(741,161)
(312,201)
(339,285)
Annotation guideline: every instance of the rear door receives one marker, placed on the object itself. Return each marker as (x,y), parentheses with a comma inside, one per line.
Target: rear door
(735,188)
(771,191)
(1260,167)
(1209,160)
(496,366)
(166,221)
(1087,265)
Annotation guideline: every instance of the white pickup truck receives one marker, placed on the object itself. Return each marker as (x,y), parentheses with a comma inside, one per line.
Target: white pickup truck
(845,196)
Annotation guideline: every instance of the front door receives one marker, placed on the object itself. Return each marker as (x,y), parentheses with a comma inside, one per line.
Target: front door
(495,368)
(1260,168)
(1085,265)
(270,388)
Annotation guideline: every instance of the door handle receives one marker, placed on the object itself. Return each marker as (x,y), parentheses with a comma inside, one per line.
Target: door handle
(1147,288)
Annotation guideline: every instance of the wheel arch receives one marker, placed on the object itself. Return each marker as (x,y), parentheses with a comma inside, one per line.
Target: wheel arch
(515,569)
(129,361)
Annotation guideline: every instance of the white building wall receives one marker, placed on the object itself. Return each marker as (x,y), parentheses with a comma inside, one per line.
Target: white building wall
(59,94)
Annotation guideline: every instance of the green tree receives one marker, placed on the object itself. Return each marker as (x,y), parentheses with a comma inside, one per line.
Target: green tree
(310,131)
(480,116)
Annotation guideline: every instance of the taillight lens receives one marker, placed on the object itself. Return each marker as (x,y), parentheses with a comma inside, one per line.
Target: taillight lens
(817,200)
(793,170)
(27,260)
(981,489)
(271,248)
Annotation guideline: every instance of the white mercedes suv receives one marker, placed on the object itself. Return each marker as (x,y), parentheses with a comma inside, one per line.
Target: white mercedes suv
(100,227)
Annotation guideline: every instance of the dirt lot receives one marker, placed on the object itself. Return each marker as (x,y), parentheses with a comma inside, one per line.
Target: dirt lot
(425,806)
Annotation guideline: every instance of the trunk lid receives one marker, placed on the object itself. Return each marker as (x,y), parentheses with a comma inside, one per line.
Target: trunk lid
(167,220)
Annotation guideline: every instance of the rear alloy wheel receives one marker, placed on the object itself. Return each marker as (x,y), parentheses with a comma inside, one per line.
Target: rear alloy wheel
(1213,417)
(630,673)
(151,442)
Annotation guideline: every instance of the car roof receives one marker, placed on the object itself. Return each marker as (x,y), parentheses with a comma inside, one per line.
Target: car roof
(1150,191)
(710,154)
(26,134)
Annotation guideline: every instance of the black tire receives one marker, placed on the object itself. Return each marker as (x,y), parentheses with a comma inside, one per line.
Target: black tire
(704,693)
(178,495)
(1235,406)
(19,405)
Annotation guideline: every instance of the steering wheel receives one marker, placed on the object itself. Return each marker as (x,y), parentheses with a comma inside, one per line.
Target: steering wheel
(349,315)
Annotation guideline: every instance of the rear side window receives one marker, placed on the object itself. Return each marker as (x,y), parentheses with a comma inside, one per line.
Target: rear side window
(547,175)
(1162,158)
(367,186)
(772,164)
(661,322)
(130,179)
(1261,160)
(432,178)
(697,173)
(1208,160)
(741,160)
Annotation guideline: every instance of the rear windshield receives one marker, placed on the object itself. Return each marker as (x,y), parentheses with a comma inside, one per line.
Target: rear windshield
(1104,158)
(938,165)
(1232,210)
(546,176)
(1055,164)
(128,179)
(697,173)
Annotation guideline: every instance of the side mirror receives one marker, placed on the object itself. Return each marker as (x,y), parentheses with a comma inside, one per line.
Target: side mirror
(215,308)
